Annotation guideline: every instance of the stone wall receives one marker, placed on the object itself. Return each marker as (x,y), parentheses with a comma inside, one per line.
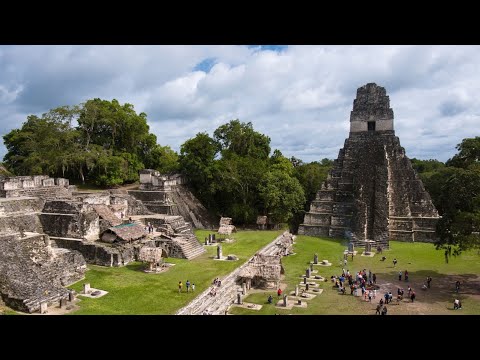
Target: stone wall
(31,272)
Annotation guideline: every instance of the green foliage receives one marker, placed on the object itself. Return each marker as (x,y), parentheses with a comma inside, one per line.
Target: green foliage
(455,192)
(240,139)
(233,173)
(426,166)
(281,194)
(109,145)
(468,153)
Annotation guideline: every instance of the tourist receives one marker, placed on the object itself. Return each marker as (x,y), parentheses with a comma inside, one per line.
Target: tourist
(279,292)
(456,304)
(345,262)
(381,301)
(384,310)
(409,290)
(457,286)
(424,287)
(219,282)
(213,292)
(148,227)
(270,299)
(383,258)
(390,297)
(429,280)
(374,293)
(406,275)
(399,276)
(370,295)
(180,285)
(130,220)
(122,215)
(379,309)
(193,287)
(412,297)
(187,284)
(374,277)
(394,262)
(369,275)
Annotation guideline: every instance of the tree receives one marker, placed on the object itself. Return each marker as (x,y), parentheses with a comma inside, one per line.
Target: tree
(109,145)
(468,153)
(282,195)
(163,159)
(197,163)
(240,139)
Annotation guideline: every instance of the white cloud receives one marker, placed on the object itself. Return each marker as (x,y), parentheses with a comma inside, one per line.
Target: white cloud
(301,97)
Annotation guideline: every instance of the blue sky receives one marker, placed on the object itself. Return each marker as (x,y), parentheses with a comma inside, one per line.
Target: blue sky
(300,96)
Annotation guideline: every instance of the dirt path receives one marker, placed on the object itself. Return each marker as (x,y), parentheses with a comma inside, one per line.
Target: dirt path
(437,300)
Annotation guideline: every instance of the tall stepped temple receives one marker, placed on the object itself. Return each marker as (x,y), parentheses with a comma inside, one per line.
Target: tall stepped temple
(372,192)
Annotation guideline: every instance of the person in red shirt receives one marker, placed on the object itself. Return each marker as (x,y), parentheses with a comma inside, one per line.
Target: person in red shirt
(279,292)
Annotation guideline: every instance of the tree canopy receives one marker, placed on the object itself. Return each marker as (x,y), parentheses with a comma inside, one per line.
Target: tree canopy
(99,141)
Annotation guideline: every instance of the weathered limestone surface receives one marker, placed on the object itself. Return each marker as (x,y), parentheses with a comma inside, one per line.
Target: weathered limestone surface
(31,272)
(168,195)
(372,191)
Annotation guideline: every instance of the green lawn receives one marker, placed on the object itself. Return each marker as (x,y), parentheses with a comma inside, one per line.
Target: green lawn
(420,259)
(131,291)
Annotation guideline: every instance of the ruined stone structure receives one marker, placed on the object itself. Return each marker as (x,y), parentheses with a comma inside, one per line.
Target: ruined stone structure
(372,192)
(167,194)
(48,231)
(267,266)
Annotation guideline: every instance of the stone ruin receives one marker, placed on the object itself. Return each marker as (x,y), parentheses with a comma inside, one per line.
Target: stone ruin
(262,271)
(167,194)
(48,231)
(372,191)
(226,226)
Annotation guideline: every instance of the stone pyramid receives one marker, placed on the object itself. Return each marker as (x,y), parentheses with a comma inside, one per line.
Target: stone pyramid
(372,192)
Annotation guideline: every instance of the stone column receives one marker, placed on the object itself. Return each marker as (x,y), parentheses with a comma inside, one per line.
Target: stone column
(71,295)
(249,284)
(311,268)
(304,280)
(63,303)
(315,259)
(213,237)
(219,251)
(307,287)
(244,288)
(307,272)
(285,302)
(296,290)
(206,240)
(86,288)
(43,307)
(239,299)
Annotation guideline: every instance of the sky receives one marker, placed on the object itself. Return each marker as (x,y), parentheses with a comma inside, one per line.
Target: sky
(300,96)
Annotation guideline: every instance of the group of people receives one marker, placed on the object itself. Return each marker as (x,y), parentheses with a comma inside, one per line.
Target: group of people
(216,283)
(188,285)
(361,281)
(400,275)
(149,228)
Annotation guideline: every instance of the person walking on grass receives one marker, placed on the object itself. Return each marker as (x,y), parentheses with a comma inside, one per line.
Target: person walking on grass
(400,276)
(406,275)
(429,280)
(187,284)
(193,287)
(180,285)
(394,262)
